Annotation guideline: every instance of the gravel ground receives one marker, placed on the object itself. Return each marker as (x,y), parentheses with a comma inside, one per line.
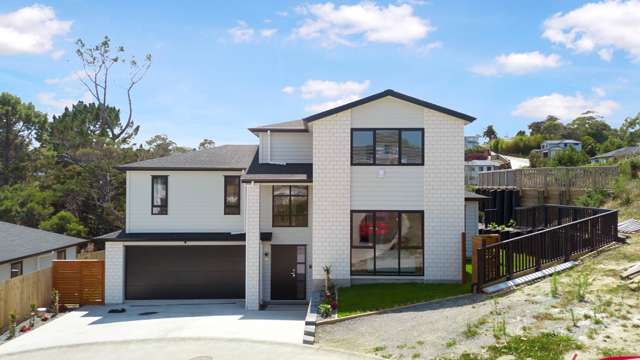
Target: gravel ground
(608,319)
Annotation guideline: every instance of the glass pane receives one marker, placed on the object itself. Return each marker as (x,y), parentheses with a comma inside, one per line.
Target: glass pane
(386,231)
(299,190)
(280,190)
(362,229)
(412,230)
(362,261)
(362,147)
(279,220)
(298,205)
(301,252)
(299,220)
(281,205)
(159,190)
(387,148)
(411,261)
(411,147)
(233,191)
(300,268)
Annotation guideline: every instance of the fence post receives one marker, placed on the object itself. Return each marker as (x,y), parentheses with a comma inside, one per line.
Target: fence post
(567,244)
(463,257)
(592,234)
(546,216)
(539,251)
(509,260)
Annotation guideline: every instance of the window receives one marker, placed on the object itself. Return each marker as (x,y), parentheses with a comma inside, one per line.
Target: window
(387,147)
(159,195)
(387,242)
(16,269)
(290,206)
(61,255)
(232,195)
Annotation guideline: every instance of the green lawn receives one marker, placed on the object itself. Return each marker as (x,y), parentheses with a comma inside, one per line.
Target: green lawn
(369,297)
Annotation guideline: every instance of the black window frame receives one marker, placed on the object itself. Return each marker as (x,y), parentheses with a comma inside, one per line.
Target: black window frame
(164,209)
(228,209)
(400,130)
(373,244)
(290,215)
(12,272)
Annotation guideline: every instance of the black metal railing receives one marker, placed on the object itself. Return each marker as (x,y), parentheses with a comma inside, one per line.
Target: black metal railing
(568,231)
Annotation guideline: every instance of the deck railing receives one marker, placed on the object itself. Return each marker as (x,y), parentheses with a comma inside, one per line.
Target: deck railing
(600,177)
(573,231)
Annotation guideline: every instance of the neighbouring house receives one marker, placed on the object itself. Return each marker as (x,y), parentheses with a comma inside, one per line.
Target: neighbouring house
(471,141)
(471,218)
(549,148)
(510,162)
(24,249)
(374,189)
(617,154)
(473,168)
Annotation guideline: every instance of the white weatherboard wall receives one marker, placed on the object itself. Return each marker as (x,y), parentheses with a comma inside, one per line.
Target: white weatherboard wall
(289,147)
(35,263)
(195,203)
(331,197)
(443,195)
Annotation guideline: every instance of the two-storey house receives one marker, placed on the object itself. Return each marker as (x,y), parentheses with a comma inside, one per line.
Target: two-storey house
(374,189)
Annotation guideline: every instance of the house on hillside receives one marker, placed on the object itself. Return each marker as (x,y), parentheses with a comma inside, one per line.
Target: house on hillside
(374,189)
(549,148)
(24,250)
(617,154)
(473,168)
(471,141)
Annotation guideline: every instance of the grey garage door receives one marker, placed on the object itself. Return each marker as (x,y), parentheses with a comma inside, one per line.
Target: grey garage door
(184,272)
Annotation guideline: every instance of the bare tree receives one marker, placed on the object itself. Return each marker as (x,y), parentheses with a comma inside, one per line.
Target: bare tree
(97,63)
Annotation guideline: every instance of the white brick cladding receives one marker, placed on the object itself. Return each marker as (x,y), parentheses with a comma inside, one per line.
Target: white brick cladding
(443,195)
(252,241)
(114,273)
(471,224)
(331,196)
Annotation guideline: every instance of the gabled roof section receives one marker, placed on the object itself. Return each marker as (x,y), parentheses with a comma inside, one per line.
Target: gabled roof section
(274,173)
(17,241)
(225,157)
(394,94)
(287,126)
(625,151)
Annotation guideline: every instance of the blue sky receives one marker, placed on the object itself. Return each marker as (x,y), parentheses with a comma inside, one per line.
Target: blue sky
(221,67)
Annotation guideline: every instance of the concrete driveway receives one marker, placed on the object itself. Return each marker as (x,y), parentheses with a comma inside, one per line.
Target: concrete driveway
(93,324)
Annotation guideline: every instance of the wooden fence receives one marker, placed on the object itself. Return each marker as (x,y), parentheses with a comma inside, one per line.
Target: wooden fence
(17,295)
(600,177)
(535,251)
(79,281)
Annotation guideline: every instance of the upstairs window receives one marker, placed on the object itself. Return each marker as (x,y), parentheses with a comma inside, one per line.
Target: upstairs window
(232,195)
(16,269)
(159,195)
(387,147)
(61,255)
(290,206)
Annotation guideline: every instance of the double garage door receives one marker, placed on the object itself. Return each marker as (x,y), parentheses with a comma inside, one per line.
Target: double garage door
(184,272)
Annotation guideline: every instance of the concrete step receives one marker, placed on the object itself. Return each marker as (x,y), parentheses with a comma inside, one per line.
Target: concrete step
(310,330)
(308,340)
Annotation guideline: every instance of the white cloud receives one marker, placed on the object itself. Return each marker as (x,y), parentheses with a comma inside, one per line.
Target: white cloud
(339,25)
(315,108)
(288,89)
(57,103)
(601,26)
(31,30)
(282,13)
(518,64)
(598,91)
(565,107)
(335,93)
(267,33)
(241,33)
(72,77)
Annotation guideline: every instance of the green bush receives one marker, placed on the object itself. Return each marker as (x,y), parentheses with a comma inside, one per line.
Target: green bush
(593,198)
(324,310)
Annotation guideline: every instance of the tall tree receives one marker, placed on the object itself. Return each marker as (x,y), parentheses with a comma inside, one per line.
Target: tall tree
(97,63)
(490,133)
(206,144)
(20,125)
(550,128)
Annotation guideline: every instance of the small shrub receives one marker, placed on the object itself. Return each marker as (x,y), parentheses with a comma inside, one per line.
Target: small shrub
(55,302)
(415,355)
(470,331)
(32,318)
(324,310)
(379,348)
(12,325)
(582,285)
(500,328)
(451,343)
(573,317)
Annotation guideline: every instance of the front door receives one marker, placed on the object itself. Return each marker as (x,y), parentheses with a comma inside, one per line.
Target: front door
(288,272)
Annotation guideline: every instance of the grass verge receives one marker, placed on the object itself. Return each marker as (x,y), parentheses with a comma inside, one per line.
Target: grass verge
(371,297)
(544,346)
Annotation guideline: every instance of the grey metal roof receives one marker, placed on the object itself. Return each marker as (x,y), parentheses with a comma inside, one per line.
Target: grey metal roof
(225,157)
(289,172)
(290,126)
(629,150)
(561,141)
(18,241)
(394,94)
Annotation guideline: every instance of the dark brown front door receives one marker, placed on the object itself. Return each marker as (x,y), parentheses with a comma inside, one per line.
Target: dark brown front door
(288,272)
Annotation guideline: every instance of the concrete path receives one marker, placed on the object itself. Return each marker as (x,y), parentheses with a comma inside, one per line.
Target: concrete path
(92,324)
(184,349)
